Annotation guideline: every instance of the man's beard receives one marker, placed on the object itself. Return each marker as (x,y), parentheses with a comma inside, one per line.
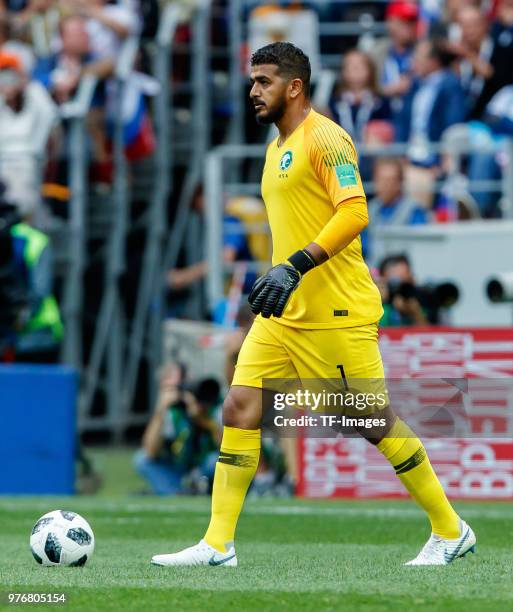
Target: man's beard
(273,114)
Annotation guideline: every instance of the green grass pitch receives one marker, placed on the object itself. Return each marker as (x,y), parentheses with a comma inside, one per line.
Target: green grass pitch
(293,554)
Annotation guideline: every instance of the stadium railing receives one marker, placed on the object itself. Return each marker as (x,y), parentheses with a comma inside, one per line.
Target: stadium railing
(128,334)
(108,341)
(75,113)
(148,319)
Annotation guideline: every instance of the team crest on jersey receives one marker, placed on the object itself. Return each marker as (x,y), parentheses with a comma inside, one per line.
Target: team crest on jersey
(286,160)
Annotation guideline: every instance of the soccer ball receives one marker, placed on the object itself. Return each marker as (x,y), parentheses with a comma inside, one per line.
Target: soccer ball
(61,537)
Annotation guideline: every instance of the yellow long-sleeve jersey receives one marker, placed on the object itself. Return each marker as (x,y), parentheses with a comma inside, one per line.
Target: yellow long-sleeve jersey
(313,192)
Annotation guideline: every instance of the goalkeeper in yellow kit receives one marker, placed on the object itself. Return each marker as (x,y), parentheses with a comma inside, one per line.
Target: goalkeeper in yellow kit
(318,310)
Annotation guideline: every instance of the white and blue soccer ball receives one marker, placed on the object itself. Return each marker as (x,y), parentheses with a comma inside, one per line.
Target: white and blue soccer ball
(62,537)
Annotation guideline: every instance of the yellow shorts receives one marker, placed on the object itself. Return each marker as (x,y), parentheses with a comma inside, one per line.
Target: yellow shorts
(275,351)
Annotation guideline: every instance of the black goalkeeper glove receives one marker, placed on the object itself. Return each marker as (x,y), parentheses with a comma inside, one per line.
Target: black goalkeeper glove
(271,292)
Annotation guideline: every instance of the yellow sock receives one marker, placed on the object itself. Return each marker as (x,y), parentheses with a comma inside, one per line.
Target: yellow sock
(235,468)
(411,464)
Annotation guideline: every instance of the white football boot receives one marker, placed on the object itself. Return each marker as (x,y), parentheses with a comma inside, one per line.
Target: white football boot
(200,554)
(439,551)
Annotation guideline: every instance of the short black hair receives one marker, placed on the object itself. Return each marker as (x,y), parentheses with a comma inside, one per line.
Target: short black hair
(292,62)
(439,50)
(392,260)
(207,391)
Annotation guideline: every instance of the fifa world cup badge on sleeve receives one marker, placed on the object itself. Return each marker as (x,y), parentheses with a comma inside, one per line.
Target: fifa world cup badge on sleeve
(346,174)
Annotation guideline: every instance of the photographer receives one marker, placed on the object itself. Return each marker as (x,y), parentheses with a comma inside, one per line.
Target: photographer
(405,302)
(401,301)
(181,440)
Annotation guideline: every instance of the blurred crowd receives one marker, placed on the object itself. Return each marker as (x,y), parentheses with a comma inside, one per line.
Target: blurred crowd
(442,75)
(437,78)
(435,87)
(48,49)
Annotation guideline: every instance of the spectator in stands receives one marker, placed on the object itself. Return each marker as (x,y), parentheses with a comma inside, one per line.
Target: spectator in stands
(182,436)
(27,118)
(356,101)
(444,21)
(107,25)
(485,65)
(438,101)
(394,58)
(502,26)
(11,41)
(401,304)
(488,155)
(499,112)
(61,72)
(39,24)
(13,6)
(388,207)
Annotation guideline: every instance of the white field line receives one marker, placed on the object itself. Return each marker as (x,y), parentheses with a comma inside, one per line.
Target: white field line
(254,508)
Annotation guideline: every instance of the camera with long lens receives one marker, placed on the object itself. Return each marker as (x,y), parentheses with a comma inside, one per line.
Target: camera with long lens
(432,296)
(499,288)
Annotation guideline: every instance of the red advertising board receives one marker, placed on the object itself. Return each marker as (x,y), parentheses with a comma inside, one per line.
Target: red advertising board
(480,467)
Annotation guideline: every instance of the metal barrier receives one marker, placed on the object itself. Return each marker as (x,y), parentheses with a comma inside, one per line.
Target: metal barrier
(75,112)
(120,345)
(109,333)
(148,309)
